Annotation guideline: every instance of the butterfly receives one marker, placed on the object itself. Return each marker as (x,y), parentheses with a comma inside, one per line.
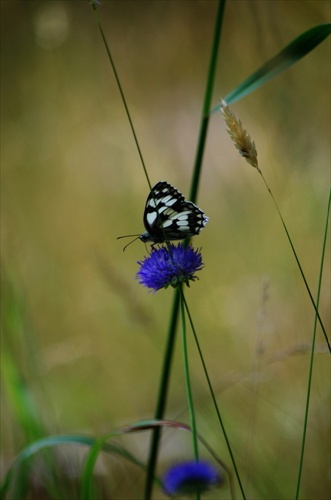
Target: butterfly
(168,216)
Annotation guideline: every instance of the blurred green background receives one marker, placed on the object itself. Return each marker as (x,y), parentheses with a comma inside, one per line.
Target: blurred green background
(82,341)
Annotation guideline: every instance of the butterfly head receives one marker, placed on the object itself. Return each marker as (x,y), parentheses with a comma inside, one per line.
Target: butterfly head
(145,237)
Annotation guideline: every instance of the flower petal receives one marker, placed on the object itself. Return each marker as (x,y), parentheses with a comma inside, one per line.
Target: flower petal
(190,477)
(169,265)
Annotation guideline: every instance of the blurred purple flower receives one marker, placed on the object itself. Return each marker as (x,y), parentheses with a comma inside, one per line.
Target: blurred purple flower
(190,477)
(170,265)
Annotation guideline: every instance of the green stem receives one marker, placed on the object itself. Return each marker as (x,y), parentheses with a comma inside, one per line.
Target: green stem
(216,407)
(187,377)
(298,262)
(162,397)
(311,364)
(161,404)
(122,95)
(207,101)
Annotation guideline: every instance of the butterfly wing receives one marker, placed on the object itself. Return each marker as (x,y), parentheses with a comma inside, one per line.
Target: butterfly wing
(168,216)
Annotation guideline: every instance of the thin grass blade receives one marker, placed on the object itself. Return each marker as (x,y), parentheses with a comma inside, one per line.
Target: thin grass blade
(291,54)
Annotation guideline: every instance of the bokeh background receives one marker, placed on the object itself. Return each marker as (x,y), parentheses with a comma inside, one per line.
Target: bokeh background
(82,340)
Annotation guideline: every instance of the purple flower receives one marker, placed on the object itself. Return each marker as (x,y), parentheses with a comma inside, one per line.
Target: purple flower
(190,477)
(170,265)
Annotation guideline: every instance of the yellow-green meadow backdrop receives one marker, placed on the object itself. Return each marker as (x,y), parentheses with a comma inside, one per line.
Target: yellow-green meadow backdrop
(80,335)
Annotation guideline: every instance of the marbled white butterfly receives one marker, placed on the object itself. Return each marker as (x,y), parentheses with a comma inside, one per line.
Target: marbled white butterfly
(168,216)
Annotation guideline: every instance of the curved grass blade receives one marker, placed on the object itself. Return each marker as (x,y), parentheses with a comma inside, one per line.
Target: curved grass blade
(37,446)
(101,444)
(292,53)
(140,426)
(96,446)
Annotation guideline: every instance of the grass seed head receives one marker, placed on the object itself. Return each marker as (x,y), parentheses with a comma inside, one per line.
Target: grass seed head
(240,136)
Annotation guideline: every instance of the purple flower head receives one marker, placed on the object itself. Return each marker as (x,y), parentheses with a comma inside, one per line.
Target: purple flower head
(190,477)
(170,265)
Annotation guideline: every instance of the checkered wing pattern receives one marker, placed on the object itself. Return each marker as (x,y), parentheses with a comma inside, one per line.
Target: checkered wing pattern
(168,216)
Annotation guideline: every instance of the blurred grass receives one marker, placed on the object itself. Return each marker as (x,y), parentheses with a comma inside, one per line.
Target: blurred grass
(87,340)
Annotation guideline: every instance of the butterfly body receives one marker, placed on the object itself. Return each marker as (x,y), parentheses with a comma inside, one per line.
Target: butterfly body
(168,216)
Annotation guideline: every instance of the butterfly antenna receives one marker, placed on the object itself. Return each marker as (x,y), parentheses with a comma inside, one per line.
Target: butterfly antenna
(129,236)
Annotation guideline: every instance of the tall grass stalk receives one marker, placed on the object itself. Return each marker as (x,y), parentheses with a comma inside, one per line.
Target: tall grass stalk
(183,306)
(165,376)
(247,149)
(118,81)
(315,304)
(220,419)
(188,381)
(312,352)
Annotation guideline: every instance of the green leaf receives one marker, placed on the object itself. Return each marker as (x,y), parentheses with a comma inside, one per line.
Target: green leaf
(292,53)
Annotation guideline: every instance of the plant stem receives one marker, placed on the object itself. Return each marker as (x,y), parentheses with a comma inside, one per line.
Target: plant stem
(216,408)
(187,377)
(207,101)
(298,262)
(161,404)
(311,363)
(122,96)
(162,397)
